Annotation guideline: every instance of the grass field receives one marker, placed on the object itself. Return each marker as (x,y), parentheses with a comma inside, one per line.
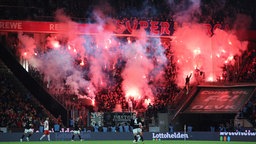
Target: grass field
(129,142)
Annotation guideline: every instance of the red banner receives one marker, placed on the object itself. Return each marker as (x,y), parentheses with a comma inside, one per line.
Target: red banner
(119,28)
(220,100)
(46,27)
(123,28)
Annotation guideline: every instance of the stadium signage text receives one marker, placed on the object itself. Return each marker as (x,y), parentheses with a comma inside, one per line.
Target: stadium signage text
(216,107)
(11,25)
(157,28)
(56,27)
(169,136)
(109,118)
(123,117)
(216,100)
(238,133)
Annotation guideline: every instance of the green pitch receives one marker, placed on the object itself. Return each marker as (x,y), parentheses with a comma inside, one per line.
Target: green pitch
(129,142)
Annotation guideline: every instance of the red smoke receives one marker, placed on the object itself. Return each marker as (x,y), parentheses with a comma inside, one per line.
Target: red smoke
(193,49)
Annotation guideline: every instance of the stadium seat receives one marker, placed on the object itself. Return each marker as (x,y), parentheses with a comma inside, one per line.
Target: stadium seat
(121,129)
(189,128)
(171,129)
(41,129)
(126,128)
(56,128)
(71,123)
(212,129)
(105,129)
(96,129)
(113,129)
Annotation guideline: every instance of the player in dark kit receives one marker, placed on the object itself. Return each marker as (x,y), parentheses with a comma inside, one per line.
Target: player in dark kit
(136,123)
(77,129)
(28,131)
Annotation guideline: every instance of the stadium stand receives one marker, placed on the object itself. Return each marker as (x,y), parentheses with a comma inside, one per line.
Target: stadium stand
(17,102)
(170,98)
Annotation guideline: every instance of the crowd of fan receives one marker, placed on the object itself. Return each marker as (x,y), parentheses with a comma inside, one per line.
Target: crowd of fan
(14,106)
(108,98)
(248,111)
(17,105)
(248,71)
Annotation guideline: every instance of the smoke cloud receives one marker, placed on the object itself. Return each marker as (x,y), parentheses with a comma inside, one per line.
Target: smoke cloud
(68,58)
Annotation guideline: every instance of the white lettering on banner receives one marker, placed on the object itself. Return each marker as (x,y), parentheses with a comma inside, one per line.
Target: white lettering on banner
(221,98)
(213,107)
(56,27)
(237,133)
(11,25)
(238,92)
(169,136)
(122,117)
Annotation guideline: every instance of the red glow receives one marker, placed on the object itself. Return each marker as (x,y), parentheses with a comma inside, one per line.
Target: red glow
(134,93)
(230,58)
(197,51)
(207,53)
(55,44)
(82,63)
(129,40)
(147,101)
(103,52)
(210,78)
(69,47)
(93,102)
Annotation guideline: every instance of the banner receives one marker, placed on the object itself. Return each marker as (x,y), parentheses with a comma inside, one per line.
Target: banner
(116,118)
(123,27)
(220,100)
(96,118)
(110,118)
(46,27)
(167,135)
